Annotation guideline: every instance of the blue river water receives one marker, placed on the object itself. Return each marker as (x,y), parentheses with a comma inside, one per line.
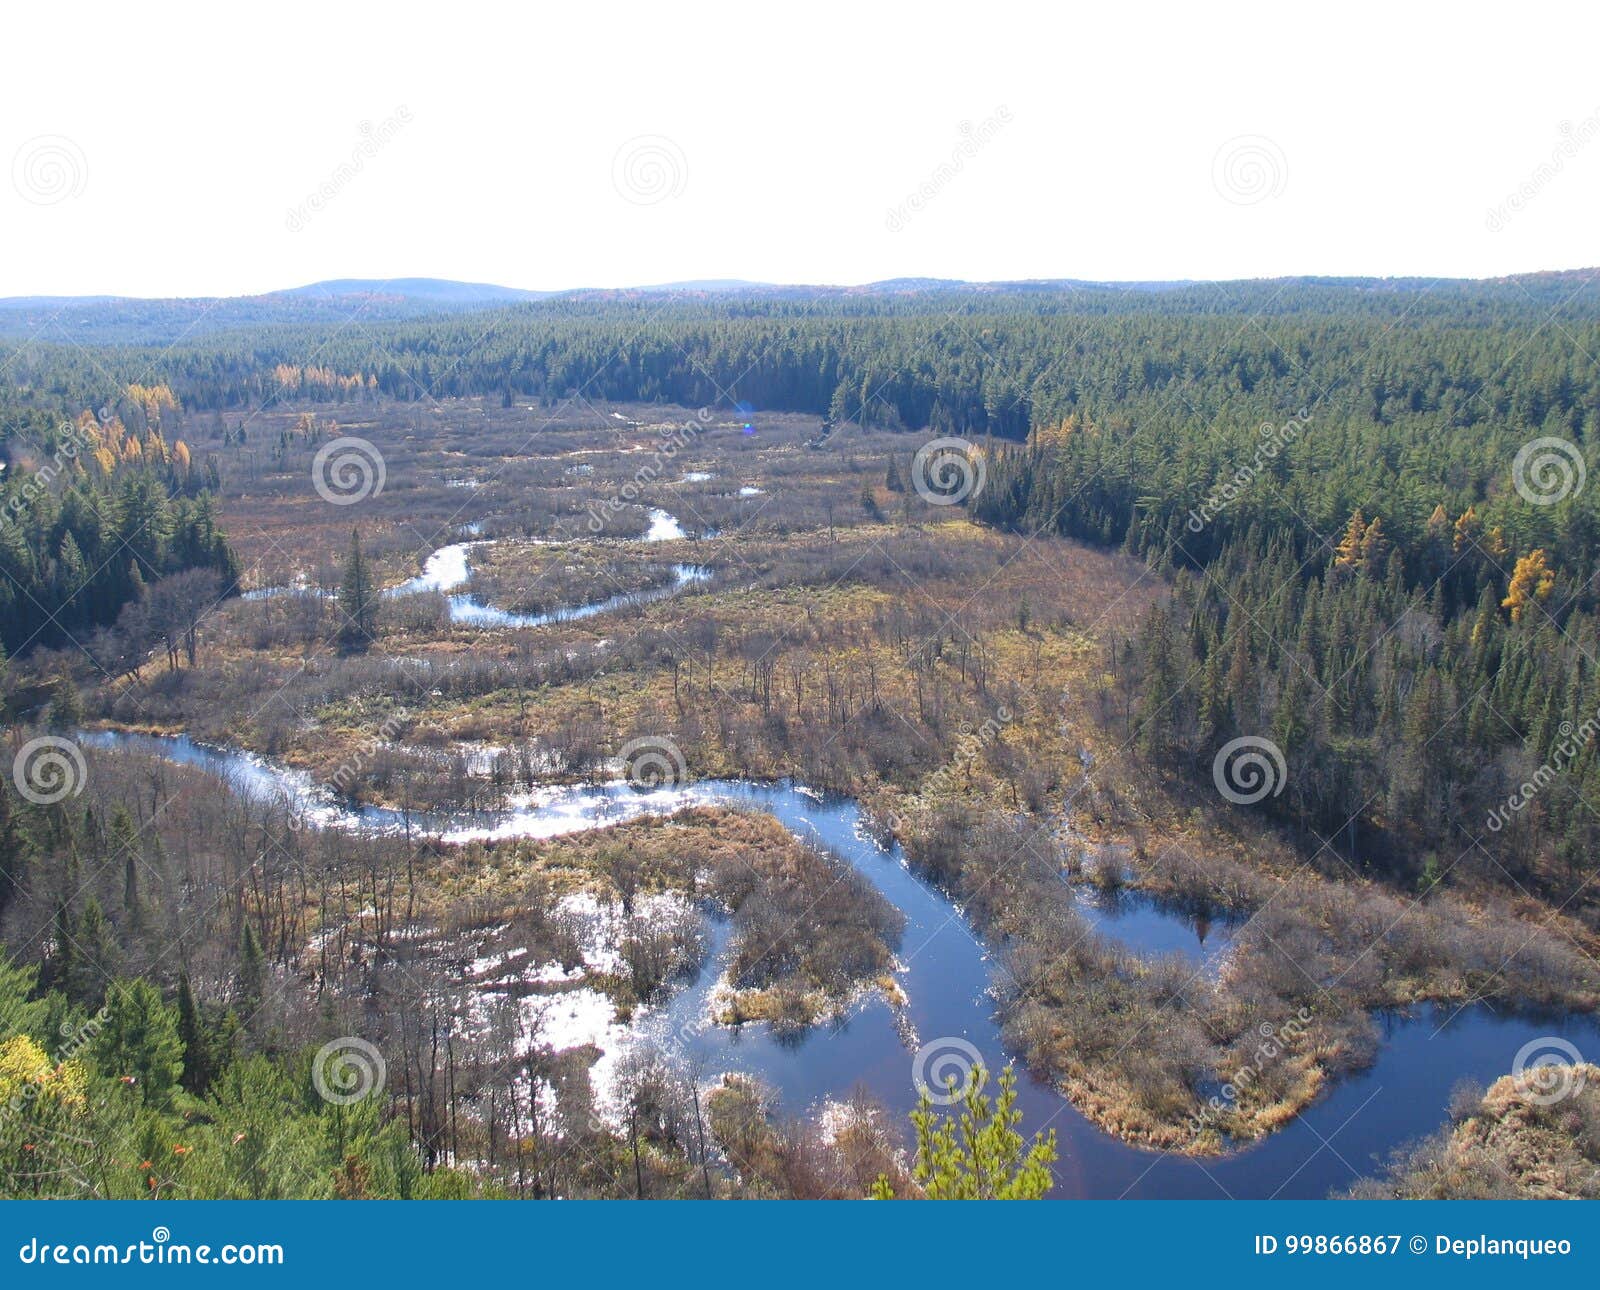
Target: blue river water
(949,980)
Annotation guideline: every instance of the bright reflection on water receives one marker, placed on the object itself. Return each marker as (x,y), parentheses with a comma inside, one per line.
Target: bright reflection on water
(949,980)
(448,569)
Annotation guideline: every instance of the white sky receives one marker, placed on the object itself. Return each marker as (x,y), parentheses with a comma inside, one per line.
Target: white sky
(189,133)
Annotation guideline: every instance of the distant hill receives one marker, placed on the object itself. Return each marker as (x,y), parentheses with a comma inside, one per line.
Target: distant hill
(58,302)
(133,321)
(710,284)
(440,291)
(130,320)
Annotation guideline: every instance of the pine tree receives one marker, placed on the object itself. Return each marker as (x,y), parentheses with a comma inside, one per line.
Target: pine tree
(125,842)
(1158,717)
(98,959)
(140,1041)
(1374,547)
(869,502)
(14,849)
(198,1068)
(357,598)
(975,1152)
(252,971)
(66,705)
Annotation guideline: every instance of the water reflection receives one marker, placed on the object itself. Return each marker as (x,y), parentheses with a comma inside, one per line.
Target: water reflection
(949,981)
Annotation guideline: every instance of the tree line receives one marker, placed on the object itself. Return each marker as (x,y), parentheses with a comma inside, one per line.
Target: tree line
(109,535)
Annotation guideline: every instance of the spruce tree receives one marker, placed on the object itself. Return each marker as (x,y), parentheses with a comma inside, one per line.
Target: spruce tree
(197,1061)
(357,598)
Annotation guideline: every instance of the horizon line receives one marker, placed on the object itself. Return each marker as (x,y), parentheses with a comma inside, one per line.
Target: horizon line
(373,284)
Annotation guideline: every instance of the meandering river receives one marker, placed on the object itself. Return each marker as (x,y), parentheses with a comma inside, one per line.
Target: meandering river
(949,982)
(448,570)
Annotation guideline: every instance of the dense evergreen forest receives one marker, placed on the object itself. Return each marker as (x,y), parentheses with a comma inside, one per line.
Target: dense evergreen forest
(969,361)
(1383,559)
(102,521)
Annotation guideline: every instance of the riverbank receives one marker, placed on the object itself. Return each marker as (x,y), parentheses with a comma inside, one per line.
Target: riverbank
(943,973)
(1196,1062)
(1534,1135)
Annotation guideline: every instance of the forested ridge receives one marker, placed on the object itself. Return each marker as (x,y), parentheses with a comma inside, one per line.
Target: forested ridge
(1359,578)
(969,361)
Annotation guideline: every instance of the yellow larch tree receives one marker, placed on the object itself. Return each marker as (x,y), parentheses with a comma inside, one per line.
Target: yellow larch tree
(1532,581)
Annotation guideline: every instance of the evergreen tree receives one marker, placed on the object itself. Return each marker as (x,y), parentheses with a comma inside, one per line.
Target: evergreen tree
(358,598)
(975,1152)
(199,1057)
(14,850)
(140,1041)
(252,972)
